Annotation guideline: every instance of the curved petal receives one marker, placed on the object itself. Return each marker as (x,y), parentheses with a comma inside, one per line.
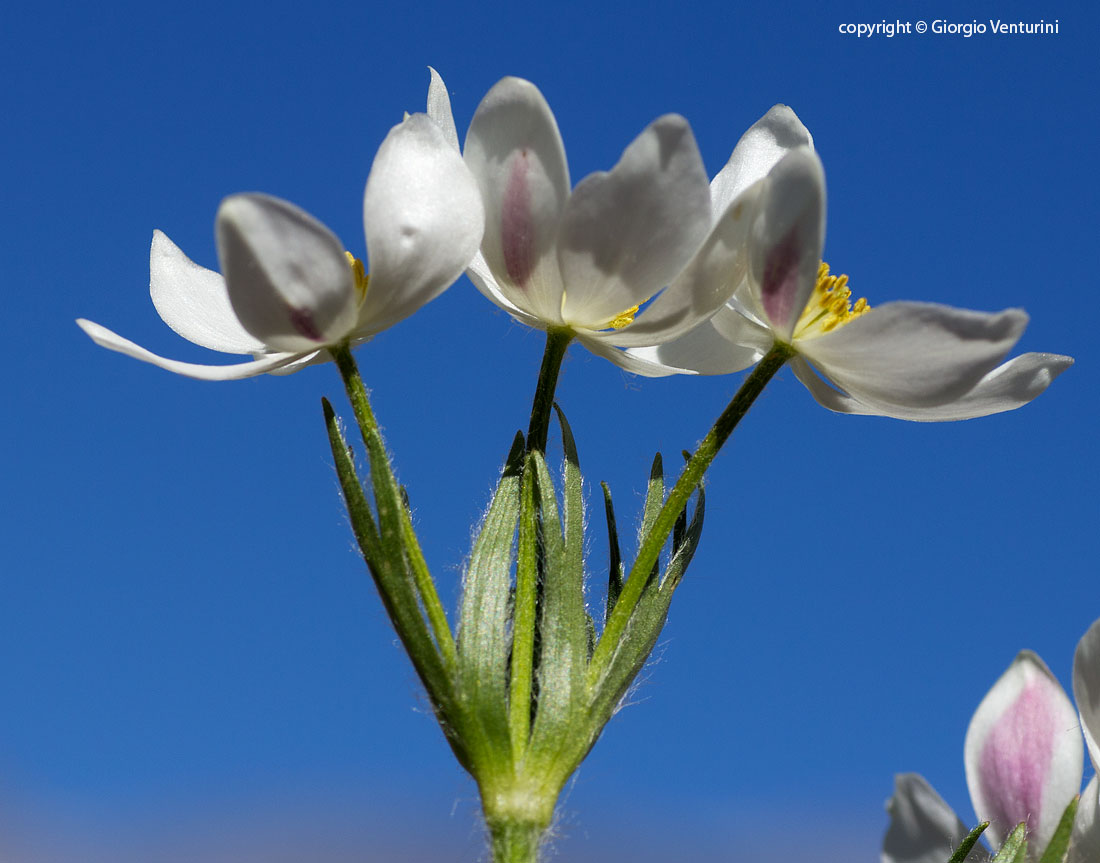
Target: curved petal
(788,237)
(114,342)
(1023,752)
(767,141)
(515,152)
(627,232)
(1086,689)
(1084,843)
(194,301)
(638,361)
(1009,386)
(423,219)
(478,273)
(287,275)
(923,829)
(716,271)
(703,351)
(439,108)
(914,355)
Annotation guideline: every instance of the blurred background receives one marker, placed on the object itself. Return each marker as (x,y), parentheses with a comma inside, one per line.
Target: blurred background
(193,662)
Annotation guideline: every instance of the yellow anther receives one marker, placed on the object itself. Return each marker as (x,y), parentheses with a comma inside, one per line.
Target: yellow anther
(360,274)
(622,319)
(830,306)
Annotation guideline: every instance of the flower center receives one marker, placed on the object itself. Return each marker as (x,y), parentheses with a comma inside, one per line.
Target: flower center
(360,274)
(830,306)
(622,319)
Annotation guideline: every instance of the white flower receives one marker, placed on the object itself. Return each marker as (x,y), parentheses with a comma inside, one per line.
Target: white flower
(289,289)
(584,260)
(1023,756)
(917,361)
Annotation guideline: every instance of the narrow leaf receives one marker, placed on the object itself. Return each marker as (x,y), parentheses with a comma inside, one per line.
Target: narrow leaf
(615,560)
(1014,849)
(1058,848)
(968,843)
(563,652)
(483,637)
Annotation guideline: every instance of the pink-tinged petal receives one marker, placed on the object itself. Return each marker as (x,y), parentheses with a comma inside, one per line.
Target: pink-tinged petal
(514,150)
(915,355)
(1086,689)
(923,829)
(628,232)
(439,108)
(105,338)
(287,275)
(710,279)
(194,301)
(767,141)
(1023,753)
(788,238)
(1084,843)
(478,272)
(423,219)
(1007,387)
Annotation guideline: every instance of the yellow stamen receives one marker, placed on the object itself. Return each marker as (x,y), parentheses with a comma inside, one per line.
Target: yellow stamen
(830,306)
(622,319)
(360,274)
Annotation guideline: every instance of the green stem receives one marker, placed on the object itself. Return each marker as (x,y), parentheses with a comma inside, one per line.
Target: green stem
(515,842)
(557,340)
(677,500)
(376,449)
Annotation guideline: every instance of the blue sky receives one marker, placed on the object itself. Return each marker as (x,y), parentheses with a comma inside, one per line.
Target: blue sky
(194,663)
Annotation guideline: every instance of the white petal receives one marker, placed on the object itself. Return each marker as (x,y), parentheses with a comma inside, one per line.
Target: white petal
(1007,387)
(703,350)
(788,237)
(287,275)
(112,341)
(1023,752)
(914,355)
(439,108)
(628,232)
(767,141)
(194,301)
(478,273)
(716,271)
(423,219)
(515,152)
(1086,689)
(638,361)
(1084,843)
(923,829)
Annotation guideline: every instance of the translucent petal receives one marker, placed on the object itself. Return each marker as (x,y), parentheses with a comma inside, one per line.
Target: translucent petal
(788,238)
(423,219)
(516,154)
(767,141)
(703,350)
(1086,689)
(639,361)
(194,301)
(439,108)
(627,232)
(914,355)
(478,273)
(287,275)
(923,829)
(1006,388)
(105,338)
(1084,843)
(1023,752)
(716,271)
